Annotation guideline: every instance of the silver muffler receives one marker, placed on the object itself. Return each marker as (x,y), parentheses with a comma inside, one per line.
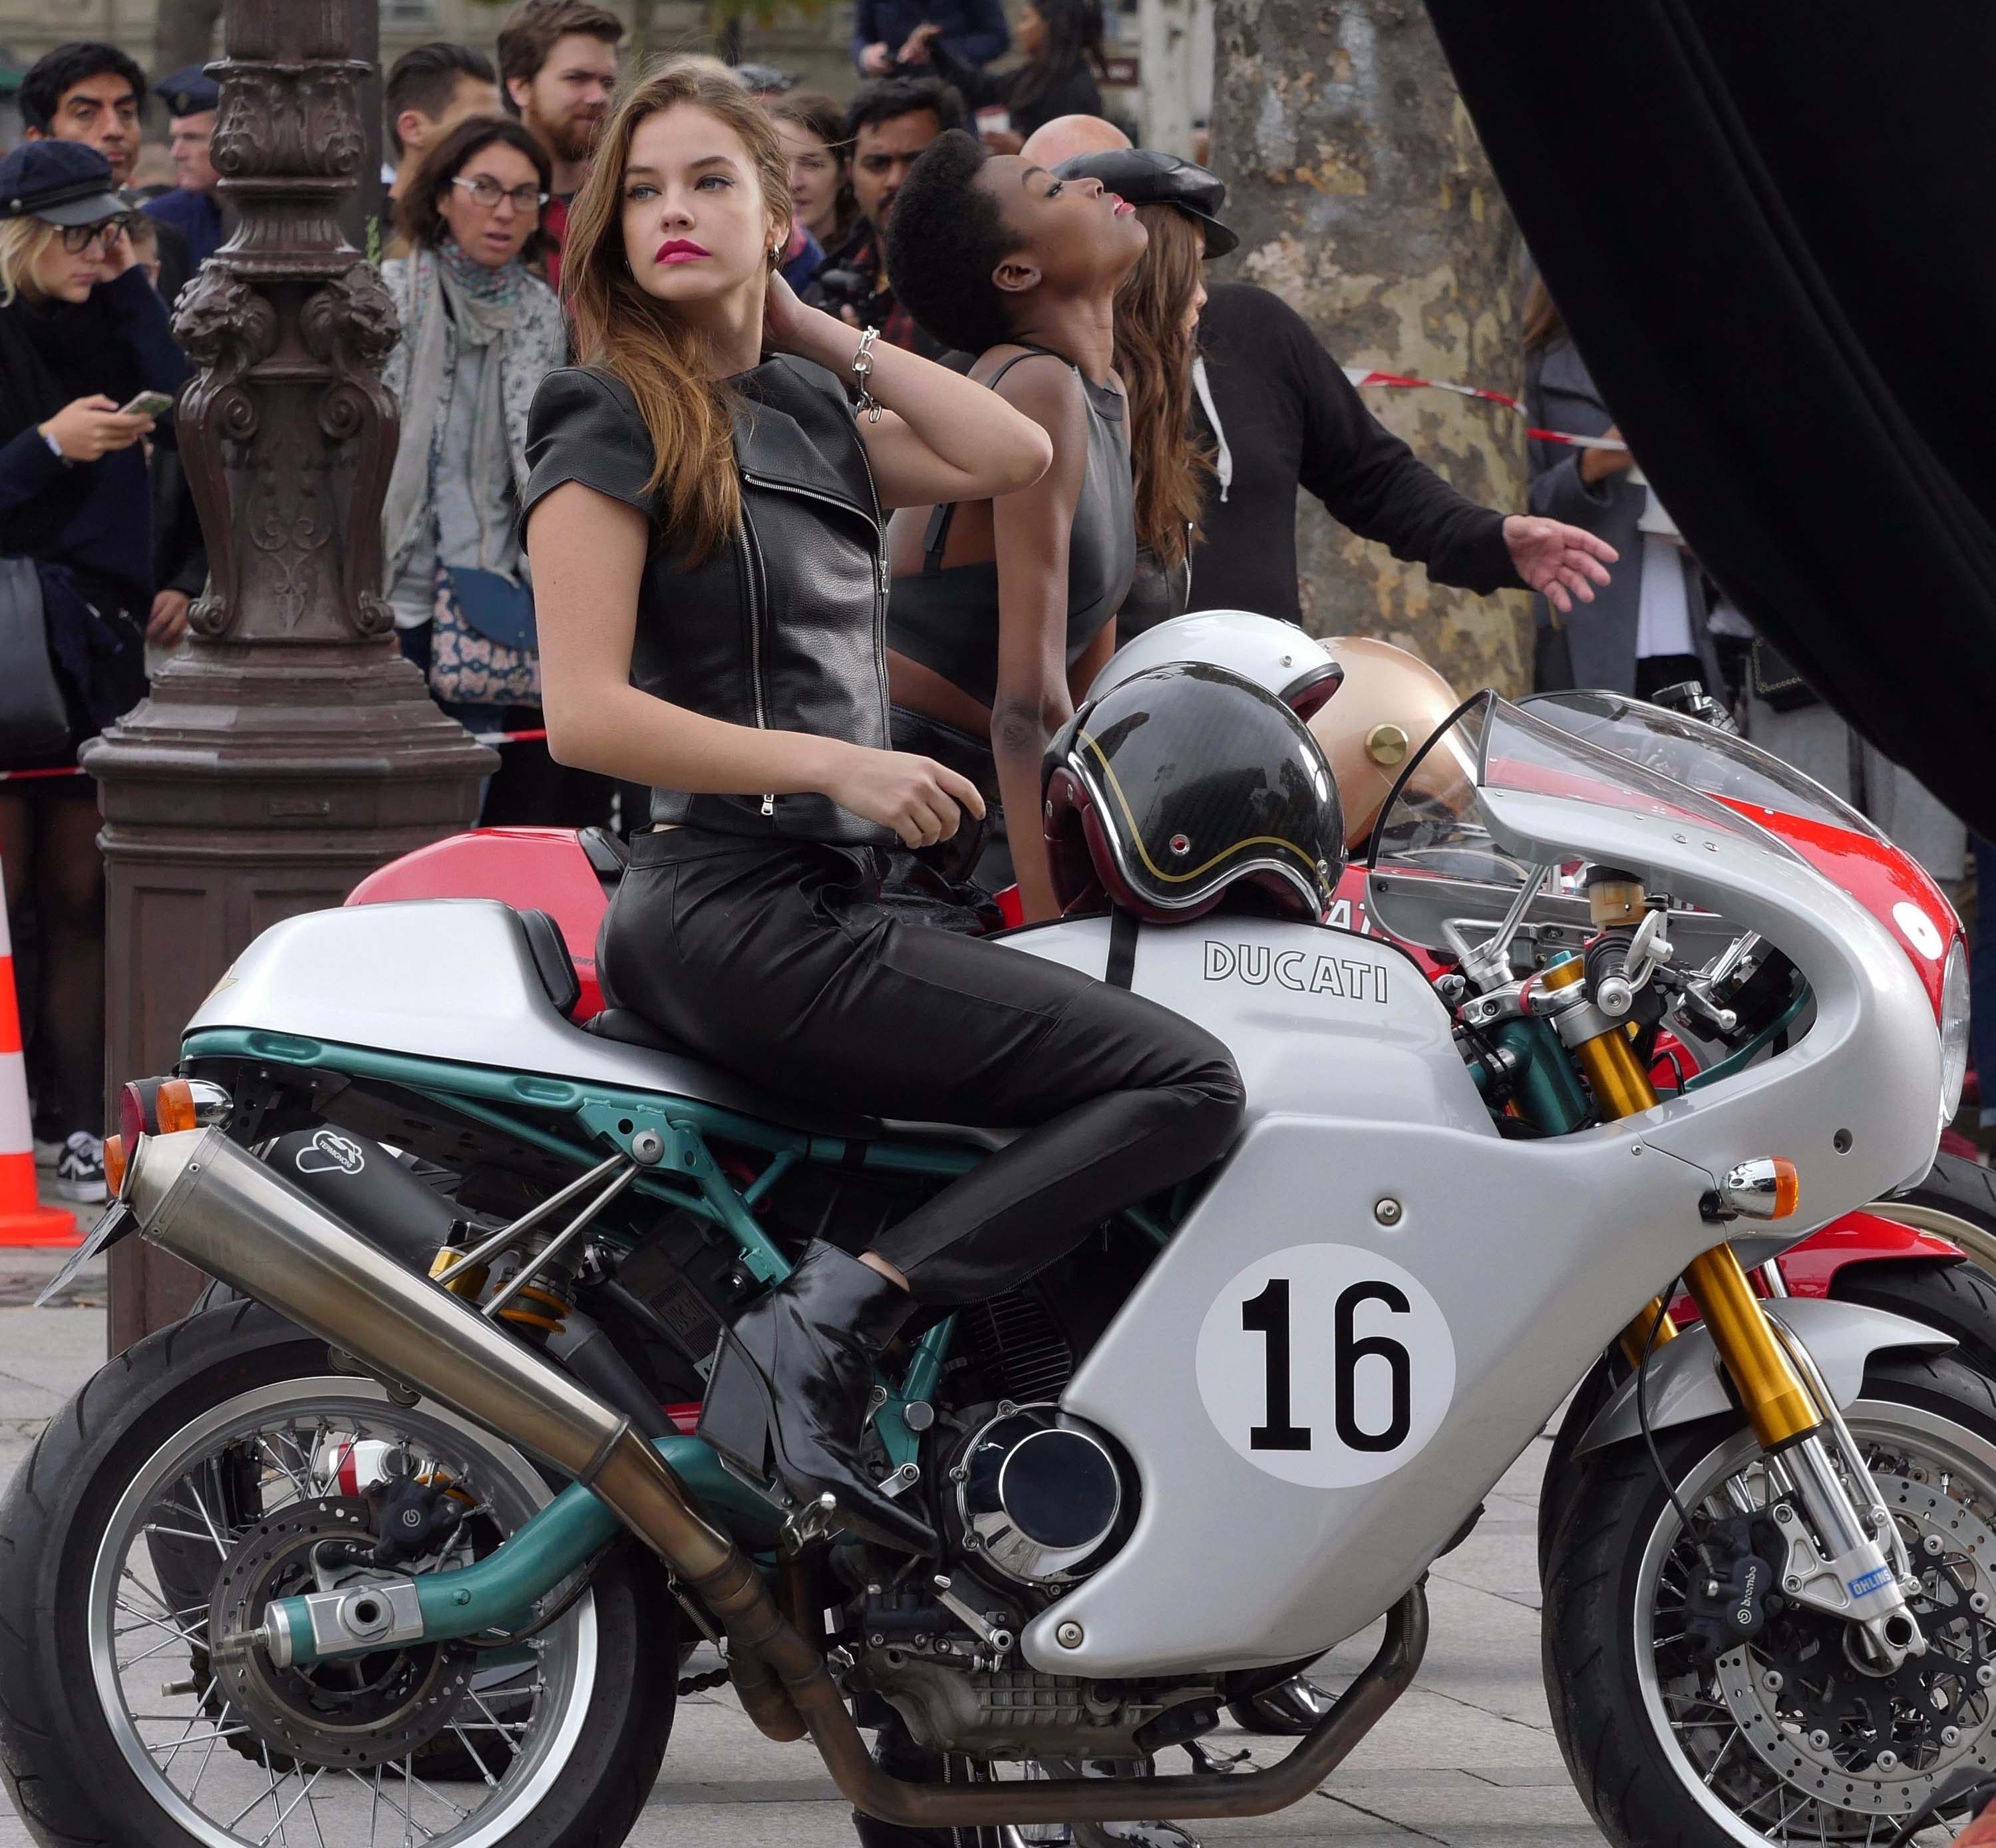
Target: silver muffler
(196,1194)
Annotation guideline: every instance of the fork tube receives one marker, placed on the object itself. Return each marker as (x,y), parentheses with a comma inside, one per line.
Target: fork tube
(1777,1403)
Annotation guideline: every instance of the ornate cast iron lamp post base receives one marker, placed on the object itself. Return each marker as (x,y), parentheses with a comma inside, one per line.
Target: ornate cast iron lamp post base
(289,748)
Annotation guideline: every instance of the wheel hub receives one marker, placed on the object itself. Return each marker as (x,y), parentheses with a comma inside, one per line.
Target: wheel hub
(353,1713)
(1854,1739)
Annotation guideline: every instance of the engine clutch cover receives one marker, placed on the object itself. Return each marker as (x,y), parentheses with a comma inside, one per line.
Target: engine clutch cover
(1039,1495)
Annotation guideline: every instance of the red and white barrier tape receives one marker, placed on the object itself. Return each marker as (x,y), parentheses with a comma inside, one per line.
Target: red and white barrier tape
(1360,376)
(484,738)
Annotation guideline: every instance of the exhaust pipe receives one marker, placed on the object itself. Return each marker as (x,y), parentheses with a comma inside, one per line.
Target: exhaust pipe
(199,1195)
(196,1194)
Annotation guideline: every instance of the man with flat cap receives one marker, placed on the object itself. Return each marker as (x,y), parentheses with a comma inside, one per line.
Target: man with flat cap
(191,97)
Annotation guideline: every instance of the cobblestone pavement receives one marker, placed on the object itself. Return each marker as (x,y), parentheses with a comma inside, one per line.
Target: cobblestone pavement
(1468,1758)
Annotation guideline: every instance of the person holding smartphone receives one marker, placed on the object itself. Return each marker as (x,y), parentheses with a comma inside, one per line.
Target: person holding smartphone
(87,363)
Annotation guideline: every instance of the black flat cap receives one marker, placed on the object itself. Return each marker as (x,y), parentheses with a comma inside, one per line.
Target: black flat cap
(1146,178)
(59,182)
(188,92)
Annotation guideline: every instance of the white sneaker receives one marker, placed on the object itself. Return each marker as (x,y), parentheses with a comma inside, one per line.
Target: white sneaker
(80,1170)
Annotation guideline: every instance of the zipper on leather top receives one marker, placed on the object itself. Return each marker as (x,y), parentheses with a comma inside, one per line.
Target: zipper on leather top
(755,552)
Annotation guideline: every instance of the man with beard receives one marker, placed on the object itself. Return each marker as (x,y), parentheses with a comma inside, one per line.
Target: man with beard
(92,94)
(887,126)
(558,64)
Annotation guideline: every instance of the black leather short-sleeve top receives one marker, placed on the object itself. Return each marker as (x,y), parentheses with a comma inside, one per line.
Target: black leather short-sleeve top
(783,628)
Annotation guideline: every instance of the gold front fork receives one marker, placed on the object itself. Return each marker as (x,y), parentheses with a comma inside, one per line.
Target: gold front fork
(1777,1403)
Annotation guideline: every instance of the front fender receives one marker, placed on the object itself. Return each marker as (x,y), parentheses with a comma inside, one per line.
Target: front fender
(1685,1382)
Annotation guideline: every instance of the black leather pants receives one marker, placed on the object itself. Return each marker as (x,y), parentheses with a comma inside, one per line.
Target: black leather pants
(775,959)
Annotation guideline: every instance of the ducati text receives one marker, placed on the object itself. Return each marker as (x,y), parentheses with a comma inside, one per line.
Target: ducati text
(1348,977)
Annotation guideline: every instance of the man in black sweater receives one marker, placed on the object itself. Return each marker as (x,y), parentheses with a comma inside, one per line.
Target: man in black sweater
(1279,413)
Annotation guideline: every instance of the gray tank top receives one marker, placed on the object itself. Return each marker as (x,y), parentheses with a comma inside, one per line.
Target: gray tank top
(947,618)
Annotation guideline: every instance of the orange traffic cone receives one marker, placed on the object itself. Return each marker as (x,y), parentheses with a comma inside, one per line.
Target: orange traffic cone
(23,1220)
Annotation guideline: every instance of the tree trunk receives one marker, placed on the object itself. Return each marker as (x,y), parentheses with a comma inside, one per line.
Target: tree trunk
(1363,199)
(1165,51)
(184,34)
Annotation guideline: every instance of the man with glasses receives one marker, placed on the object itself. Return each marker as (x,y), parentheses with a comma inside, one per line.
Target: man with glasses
(91,94)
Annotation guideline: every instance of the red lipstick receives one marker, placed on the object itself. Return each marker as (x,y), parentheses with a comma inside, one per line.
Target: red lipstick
(679,250)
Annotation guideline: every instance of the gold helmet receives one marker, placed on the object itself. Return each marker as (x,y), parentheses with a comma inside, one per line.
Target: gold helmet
(1390,704)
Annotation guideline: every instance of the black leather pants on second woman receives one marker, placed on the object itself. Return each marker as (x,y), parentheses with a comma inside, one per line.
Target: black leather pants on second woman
(771,958)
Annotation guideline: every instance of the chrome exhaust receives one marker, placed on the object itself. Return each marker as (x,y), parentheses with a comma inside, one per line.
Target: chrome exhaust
(196,1194)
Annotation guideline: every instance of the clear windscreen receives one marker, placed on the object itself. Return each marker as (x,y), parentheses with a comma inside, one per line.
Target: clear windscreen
(1692,753)
(1435,862)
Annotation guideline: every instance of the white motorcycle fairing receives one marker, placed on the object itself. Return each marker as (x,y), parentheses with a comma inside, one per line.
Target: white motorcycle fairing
(1528,1258)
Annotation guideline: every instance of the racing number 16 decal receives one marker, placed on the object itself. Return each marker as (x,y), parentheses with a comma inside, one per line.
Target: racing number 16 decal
(1325,1364)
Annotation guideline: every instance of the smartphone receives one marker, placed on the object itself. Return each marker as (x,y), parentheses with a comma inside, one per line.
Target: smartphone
(147,404)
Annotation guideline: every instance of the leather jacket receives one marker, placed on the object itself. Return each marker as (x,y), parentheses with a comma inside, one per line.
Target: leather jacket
(782,627)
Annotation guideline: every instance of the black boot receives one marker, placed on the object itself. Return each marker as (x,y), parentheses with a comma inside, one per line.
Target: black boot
(789,1392)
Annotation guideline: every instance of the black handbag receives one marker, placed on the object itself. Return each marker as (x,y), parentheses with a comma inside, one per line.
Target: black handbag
(34,721)
(1773,679)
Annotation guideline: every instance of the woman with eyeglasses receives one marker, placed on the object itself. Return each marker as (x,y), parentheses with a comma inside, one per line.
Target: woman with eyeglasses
(82,334)
(479,332)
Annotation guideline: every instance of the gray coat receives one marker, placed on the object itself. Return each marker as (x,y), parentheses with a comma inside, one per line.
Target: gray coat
(1559,395)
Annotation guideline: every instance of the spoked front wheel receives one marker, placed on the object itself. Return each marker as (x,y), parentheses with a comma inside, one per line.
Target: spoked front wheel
(1796,1736)
(204,1474)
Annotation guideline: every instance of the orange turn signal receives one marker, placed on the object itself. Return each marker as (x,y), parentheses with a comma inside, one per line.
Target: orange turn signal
(172,1107)
(1787,1188)
(114,1164)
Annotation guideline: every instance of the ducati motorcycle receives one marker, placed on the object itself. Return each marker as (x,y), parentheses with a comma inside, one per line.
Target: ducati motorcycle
(410,1539)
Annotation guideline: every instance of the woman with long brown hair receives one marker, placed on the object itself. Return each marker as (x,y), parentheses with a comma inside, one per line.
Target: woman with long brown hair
(707,547)
(1157,331)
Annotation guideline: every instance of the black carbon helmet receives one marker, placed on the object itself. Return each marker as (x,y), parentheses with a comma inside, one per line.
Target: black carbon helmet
(1182,781)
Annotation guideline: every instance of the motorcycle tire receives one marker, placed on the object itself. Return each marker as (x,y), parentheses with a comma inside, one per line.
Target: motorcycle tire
(68,1768)
(1956,1197)
(1640,1764)
(1958,1299)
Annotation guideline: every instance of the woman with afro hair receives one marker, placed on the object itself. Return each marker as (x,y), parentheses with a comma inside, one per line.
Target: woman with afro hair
(1003,610)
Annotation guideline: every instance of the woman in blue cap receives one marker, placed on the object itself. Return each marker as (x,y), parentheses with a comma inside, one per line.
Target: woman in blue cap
(82,336)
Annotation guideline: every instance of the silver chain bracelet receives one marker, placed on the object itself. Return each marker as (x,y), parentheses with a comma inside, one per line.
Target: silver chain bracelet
(862,370)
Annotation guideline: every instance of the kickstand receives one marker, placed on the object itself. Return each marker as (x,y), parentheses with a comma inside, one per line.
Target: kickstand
(1211,1764)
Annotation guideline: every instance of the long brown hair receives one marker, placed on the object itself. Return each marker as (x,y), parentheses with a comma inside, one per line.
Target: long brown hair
(636,337)
(1153,354)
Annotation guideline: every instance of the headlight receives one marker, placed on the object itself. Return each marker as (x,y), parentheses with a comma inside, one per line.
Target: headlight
(1953,1030)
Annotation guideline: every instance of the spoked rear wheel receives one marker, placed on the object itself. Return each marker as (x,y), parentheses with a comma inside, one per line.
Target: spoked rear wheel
(1791,1737)
(196,1479)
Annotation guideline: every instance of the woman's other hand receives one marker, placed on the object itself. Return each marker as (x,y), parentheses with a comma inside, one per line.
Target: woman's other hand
(921,801)
(118,256)
(1561,561)
(1598,465)
(91,426)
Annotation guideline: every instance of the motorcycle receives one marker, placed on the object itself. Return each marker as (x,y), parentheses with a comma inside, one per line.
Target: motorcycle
(1903,1254)
(416,1516)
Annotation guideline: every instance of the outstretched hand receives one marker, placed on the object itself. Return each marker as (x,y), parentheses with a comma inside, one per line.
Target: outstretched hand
(1561,561)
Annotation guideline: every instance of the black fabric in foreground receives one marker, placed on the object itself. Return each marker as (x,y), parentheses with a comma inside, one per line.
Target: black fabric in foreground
(1765,226)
